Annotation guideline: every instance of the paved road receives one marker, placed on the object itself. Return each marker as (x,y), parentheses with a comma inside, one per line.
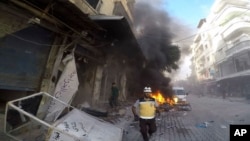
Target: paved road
(216,113)
(187,125)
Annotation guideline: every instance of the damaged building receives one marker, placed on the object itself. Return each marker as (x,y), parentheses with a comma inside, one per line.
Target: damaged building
(37,36)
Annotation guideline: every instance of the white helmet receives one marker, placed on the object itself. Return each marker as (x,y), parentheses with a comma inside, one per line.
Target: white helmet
(147,90)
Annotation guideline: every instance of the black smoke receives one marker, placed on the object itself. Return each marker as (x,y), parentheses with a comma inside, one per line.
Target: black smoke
(155,36)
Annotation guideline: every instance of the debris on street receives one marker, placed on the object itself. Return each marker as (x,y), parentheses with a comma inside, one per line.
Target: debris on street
(70,126)
(223,126)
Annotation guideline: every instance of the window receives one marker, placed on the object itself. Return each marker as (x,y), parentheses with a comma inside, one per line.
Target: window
(93,3)
(179,92)
(206,46)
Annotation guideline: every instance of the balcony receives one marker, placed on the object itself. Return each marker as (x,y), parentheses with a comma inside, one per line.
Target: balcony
(197,38)
(200,68)
(235,28)
(238,48)
(220,5)
(243,73)
(228,13)
(220,56)
(200,56)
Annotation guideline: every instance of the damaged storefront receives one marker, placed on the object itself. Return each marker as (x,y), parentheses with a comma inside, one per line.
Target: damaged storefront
(24,49)
(118,59)
(74,59)
(35,42)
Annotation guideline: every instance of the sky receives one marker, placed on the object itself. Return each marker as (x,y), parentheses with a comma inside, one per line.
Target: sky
(186,15)
(190,12)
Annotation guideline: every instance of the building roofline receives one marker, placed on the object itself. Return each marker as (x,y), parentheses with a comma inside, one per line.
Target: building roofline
(201,22)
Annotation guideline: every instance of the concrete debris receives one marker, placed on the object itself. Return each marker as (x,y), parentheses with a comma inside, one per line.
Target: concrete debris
(171,126)
(131,126)
(172,110)
(84,105)
(128,118)
(81,126)
(122,112)
(202,125)
(223,126)
(241,120)
(158,118)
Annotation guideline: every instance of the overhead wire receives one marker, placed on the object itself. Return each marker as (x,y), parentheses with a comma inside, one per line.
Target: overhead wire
(29,20)
(40,44)
(177,41)
(224,43)
(193,35)
(206,30)
(56,19)
(36,43)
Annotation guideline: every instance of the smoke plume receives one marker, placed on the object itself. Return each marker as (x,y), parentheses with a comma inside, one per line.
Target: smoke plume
(156,31)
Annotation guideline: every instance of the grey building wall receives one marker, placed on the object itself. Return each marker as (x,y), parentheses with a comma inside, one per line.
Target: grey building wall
(119,10)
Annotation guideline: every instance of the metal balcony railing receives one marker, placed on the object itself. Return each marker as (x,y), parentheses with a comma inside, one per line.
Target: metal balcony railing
(232,25)
(201,55)
(220,56)
(238,47)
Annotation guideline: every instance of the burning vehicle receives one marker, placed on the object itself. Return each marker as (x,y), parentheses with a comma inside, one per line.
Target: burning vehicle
(177,100)
(166,103)
(180,99)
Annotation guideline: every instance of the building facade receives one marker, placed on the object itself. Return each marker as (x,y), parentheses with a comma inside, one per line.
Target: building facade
(35,42)
(114,7)
(226,33)
(203,53)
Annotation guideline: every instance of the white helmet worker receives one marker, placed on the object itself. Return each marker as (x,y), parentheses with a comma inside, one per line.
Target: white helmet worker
(147,90)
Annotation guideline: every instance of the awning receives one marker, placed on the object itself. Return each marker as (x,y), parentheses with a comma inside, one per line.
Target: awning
(240,74)
(208,82)
(119,30)
(62,12)
(116,26)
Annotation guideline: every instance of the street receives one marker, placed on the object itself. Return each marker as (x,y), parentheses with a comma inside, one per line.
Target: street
(73,70)
(209,120)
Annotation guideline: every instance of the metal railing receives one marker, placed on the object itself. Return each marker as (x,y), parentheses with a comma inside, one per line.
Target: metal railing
(238,47)
(220,56)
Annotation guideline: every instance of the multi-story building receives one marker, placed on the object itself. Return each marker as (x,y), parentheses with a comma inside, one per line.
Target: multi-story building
(203,53)
(226,33)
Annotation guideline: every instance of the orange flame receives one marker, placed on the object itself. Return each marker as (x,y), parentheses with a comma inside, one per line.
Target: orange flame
(161,99)
(158,96)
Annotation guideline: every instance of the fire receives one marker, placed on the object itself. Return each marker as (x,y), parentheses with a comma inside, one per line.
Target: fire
(161,99)
(158,96)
